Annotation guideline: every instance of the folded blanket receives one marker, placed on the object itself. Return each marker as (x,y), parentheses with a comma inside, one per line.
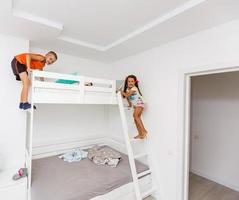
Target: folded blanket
(63,81)
(74,155)
(104,156)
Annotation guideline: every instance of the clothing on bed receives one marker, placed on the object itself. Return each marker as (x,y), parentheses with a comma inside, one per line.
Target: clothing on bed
(104,156)
(53,179)
(74,156)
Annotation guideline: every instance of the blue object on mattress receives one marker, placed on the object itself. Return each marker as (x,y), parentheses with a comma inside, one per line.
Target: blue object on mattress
(63,81)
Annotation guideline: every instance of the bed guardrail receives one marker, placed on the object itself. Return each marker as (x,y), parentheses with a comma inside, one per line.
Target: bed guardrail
(83,88)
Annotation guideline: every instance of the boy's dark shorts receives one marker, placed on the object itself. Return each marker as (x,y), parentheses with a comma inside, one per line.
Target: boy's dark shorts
(18,68)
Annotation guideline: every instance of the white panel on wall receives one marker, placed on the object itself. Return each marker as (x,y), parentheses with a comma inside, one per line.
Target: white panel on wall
(12,120)
(54,124)
(215,128)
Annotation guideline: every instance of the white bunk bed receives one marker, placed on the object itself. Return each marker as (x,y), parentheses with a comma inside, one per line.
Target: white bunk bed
(101,92)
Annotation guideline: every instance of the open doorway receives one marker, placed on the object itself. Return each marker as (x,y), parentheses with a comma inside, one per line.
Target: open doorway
(212,133)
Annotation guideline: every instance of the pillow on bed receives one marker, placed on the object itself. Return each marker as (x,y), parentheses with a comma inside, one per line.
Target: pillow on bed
(63,81)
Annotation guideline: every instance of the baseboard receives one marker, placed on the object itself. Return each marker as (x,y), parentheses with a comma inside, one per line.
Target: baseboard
(216,180)
(46,149)
(115,144)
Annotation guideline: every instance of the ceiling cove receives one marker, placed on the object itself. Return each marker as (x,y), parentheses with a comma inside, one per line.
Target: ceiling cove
(60,27)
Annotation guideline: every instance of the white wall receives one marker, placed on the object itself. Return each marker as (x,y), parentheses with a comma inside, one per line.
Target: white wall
(158,72)
(214,128)
(66,123)
(69,64)
(12,120)
(59,124)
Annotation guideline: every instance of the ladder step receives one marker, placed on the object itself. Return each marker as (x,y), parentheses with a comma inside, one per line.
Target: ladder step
(128,109)
(135,140)
(148,192)
(140,155)
(144,173)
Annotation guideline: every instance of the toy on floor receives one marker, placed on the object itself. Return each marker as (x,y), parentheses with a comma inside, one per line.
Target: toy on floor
(20,174)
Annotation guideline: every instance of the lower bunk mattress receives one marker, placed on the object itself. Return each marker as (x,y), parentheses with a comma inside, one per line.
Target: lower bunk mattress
(55,179)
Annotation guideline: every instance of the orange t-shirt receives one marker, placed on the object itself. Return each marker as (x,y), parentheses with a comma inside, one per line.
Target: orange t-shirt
(21,58)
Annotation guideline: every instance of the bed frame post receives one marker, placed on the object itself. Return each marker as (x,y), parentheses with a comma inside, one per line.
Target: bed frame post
(82,89)
(29,146)
(113,91)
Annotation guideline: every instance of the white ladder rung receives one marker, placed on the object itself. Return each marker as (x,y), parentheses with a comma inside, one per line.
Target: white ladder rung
(140,155)
(136,140)
(133,140)
(148,192)
(144,173)
(127,108)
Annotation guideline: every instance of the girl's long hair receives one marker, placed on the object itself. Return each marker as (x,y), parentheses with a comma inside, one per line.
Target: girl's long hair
(136,83)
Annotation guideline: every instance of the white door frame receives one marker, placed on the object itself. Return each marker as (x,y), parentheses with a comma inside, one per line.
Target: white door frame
(184,116)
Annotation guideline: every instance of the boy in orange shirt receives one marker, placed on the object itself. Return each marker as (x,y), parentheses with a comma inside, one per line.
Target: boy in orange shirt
(26,62)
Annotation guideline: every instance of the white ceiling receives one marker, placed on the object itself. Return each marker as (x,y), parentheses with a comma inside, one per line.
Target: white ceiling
(110,29)
(100,22)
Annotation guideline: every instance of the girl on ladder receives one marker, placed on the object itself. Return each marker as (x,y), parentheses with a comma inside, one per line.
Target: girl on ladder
(134,97)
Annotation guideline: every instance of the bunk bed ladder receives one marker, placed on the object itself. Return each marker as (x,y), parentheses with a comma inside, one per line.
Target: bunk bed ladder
(132,157)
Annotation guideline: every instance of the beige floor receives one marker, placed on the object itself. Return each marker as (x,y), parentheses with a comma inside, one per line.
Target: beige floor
(203,189)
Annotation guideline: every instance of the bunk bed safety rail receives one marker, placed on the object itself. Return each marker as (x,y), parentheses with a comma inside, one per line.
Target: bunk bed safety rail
(100,91)
(54,75)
